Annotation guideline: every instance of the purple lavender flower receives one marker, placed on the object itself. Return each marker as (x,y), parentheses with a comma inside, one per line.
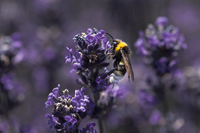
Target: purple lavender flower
(68,111)
(9,125)
(69,56)
(53,121)
(159,45)
(7,81)
(155,117)
(80,100)
(162,21)
(102,83)
(89,58)
(69,124)
(9,88)
(9,48)
(91,109)
(40,77)
(146,98)
(89,128)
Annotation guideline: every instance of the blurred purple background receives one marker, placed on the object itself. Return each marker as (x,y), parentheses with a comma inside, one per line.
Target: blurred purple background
(46,27)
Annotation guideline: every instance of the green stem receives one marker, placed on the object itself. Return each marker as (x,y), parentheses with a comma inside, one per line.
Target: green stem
(100,125)
(164,105)
(96,97)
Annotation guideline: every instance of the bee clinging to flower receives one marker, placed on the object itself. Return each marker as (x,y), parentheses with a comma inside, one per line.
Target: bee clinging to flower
(121,53)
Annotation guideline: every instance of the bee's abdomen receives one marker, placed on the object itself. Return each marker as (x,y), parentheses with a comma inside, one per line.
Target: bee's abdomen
(118,74)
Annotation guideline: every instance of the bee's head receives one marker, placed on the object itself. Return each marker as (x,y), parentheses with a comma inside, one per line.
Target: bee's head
(114,41)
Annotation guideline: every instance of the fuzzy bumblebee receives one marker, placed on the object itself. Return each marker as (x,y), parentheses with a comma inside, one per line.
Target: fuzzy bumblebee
(121,55)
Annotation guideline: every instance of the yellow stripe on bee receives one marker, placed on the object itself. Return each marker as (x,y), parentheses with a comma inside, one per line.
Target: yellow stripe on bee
(120,45)
(121,63)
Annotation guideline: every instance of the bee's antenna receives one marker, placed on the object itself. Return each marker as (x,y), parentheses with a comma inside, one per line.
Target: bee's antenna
(111,43)
(110,36)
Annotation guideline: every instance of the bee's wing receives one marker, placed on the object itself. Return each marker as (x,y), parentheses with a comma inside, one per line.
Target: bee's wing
(130,67)
(127,65)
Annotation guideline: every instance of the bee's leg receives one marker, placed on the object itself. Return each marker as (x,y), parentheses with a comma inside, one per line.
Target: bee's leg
(108,73)
(113,86)
(110,55)
(109,49)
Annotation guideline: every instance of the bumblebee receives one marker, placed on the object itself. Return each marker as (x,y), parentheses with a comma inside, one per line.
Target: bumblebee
(120,53)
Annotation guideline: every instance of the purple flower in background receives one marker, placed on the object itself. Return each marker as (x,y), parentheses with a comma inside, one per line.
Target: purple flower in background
(7,81)
(159,45)
(155,117)
(89,128)
(8,49)
(12,124)
(68,111)
(89,58)
(10,89)
(146,98)
(40,77)
(161,21)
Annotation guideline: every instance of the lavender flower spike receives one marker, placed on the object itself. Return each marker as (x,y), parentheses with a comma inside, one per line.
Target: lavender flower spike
(89,57)
(68,111)
(10,89)
(159,45)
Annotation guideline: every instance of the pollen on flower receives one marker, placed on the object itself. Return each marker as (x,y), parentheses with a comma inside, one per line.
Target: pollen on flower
(90,57)
(68,111)
(65,92)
